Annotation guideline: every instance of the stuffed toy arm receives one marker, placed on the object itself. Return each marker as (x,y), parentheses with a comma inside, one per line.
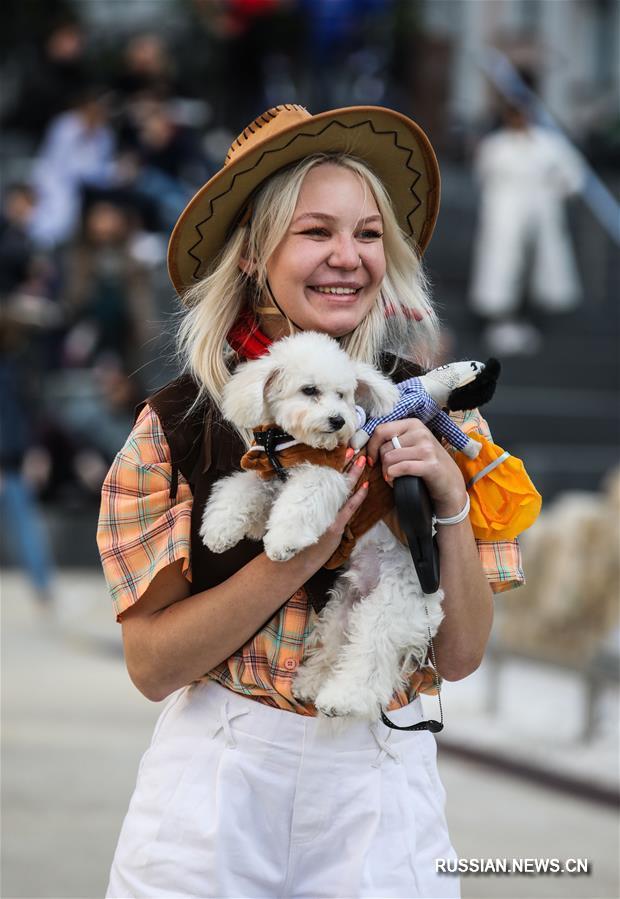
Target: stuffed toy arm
(415,402)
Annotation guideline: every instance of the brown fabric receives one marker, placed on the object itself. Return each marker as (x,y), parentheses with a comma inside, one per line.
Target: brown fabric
(378,503)
(258,460)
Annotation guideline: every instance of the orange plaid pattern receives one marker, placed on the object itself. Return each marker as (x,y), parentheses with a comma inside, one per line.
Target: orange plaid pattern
(141,530)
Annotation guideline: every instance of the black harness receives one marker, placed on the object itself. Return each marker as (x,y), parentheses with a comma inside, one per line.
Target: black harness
(269,440)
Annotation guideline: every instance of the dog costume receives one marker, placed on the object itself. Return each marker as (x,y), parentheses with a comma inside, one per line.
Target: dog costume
(287,454)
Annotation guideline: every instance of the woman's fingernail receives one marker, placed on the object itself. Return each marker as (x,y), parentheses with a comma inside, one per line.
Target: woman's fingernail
(365,485)
(360,461)
(371,461)
(349,454)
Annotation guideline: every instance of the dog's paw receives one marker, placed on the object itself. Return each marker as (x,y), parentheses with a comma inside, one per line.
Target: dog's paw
(333,701)
(280,553)
(220,543)
(217,535)
(306,684)
(359,440)
(281,546)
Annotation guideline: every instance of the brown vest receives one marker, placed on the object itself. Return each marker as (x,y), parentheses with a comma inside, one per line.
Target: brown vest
(205,448)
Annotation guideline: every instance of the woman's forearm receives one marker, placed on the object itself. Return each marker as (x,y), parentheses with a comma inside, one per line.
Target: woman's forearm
(180,643)
(172,638)
(468,603)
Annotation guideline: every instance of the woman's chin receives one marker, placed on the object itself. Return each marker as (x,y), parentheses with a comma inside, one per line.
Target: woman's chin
(337,323)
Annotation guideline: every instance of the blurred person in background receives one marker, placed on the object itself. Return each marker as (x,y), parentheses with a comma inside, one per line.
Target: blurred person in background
(28,277)
(161,160)
(147,70)
(16,246)
(48,77)
(78,151)
(105,300)
(524,268)
(25,314)
(348,34)
(107,292)
(251,45)
(21,527)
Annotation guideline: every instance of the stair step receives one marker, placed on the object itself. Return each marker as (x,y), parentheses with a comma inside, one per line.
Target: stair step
(555,469)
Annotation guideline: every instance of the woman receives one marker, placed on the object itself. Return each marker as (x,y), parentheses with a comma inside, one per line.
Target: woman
(314,222)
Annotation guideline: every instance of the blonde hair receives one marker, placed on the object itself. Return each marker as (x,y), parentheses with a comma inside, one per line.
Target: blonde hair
(402,321)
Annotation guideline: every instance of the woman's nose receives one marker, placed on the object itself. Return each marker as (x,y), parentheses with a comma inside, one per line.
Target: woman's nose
(344,254)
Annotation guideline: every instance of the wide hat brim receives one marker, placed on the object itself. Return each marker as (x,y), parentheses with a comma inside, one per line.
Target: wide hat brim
(394,147)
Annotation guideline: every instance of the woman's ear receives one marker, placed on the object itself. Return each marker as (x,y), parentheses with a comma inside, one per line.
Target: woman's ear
(374,392)
(247,265)
(244,401)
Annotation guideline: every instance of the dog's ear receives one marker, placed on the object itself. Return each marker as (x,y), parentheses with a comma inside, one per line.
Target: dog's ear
(244,401)
(374,392)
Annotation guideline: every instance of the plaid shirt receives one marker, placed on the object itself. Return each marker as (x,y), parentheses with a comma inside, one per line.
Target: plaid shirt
(141,531)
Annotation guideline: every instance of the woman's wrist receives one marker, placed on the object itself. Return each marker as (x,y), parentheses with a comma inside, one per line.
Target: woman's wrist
(458,517)
(451,506)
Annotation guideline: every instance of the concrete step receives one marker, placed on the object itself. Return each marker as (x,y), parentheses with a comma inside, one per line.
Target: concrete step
(557,417)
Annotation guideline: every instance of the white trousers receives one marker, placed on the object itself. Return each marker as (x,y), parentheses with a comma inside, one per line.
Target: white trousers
(237,799)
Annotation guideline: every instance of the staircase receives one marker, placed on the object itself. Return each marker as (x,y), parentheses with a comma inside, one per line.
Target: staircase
(557,409)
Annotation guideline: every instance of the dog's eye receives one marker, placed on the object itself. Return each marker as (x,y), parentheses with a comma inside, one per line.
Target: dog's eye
(310,390)
(340,395)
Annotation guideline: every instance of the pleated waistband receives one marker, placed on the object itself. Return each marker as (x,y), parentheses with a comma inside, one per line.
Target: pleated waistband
(210,706)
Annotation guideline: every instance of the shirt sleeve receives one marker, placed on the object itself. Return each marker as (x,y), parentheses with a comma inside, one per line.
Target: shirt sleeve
(501,559)
(141,529)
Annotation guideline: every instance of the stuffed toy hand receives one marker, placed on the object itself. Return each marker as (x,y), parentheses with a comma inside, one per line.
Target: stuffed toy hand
(458,385)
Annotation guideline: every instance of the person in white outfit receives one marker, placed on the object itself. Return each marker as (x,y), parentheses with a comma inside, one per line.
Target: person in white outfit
(522,245)
(315,222)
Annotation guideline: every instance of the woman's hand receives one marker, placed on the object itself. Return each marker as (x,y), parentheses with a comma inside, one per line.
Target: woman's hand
(423,455)
(468,602)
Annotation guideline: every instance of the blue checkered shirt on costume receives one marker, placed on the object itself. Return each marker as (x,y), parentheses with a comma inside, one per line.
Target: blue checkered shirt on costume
(416,402)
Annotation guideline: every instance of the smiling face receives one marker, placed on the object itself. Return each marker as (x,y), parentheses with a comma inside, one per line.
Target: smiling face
(328,269)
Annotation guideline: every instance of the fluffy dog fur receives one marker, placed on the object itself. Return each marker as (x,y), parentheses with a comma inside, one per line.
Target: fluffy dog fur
(374,630)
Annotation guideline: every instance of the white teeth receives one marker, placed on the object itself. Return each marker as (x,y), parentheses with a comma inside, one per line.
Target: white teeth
(337,290)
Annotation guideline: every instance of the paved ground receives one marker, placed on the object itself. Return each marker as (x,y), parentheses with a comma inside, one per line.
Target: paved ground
(74,728)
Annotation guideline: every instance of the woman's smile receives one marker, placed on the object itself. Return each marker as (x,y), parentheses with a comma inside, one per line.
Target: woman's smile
(337,293)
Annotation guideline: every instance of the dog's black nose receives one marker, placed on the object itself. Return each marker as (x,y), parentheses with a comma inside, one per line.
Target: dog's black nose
(336,422)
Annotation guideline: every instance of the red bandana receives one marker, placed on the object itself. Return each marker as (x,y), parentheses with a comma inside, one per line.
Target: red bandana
(248,341)
(246,338)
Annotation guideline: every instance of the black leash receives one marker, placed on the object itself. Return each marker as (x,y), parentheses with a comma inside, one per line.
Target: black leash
(415,514)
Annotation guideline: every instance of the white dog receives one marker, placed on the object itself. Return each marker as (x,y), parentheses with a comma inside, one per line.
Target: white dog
(375,628)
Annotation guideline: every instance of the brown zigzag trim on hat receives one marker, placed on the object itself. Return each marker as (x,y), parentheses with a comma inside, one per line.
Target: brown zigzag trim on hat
(198,226)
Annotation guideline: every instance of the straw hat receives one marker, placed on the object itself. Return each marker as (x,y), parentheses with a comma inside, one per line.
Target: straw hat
(394,147)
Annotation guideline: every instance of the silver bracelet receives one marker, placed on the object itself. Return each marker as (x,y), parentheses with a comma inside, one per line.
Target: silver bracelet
(460,516)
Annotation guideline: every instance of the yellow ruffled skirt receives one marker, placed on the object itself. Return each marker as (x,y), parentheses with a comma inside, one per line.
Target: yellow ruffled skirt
(504,502)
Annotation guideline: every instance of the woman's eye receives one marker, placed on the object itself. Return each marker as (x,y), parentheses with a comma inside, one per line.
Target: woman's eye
(370,234)
(316,232)
(310,390)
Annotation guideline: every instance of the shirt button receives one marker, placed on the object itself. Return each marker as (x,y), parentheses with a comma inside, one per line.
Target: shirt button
(290,664)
